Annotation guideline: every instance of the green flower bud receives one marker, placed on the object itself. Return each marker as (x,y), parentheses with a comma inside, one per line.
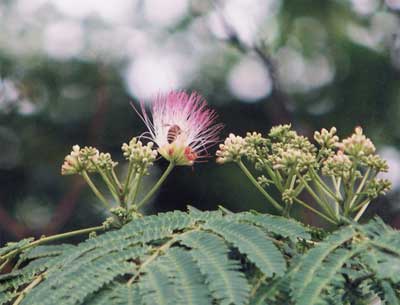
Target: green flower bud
(357,145)
(326,139)
(233,149)
(377,187)
(141,156)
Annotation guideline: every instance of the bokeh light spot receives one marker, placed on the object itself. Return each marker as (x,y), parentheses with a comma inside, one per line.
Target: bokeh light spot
(249,80)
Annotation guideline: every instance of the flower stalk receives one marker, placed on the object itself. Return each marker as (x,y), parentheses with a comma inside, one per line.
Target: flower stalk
(45,240)
(259,188)
(156,186)
(95,190)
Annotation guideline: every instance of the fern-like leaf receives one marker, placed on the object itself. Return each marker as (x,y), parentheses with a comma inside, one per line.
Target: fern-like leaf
(276,225)
(253,242)
(187,278)
(116,294)
(156,288)
(226,283)
(323,276)
(83,282)
(305,271)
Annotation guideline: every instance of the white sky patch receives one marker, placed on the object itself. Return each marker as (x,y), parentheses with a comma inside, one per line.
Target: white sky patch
(392,156)
(29,7)
(150,74)
(393,4)
(299,74)
(63,39)
(378,34)
(25,107)
(165,13)
(365,7)
(8,91)
(249,80)
(245,17)
(121,11)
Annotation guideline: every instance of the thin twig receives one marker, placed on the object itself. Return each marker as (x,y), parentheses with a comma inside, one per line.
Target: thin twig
(28,288)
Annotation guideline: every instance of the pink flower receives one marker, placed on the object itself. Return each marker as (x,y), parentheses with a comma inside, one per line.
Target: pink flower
(182,126)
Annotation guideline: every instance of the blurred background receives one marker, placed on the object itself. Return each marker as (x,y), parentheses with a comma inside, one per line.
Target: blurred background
(69,70)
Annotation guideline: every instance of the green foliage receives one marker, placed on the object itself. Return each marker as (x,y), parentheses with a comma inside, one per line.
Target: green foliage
(210,258)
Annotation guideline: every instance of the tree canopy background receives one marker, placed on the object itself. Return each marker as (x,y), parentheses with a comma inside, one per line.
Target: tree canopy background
(69,70)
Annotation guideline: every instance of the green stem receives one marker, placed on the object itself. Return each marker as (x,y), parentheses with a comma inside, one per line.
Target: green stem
(28,288)
(136,188)
(299,188)
(259,187)
(279,179)
(128,178)
(314,210)
(107,181)
(360,205)
(350,190)
(95,190)
(52,238)
(323,186)
(274,177)
(4,264)
(336,184)
(290,178)
(156,186)
(114,175)
(324,205)
(362,210)
(225,210)
(360,187)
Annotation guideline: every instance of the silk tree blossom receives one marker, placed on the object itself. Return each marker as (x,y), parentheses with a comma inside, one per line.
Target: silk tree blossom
(182,126)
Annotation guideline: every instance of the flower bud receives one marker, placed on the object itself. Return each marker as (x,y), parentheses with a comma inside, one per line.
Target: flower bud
(377,187)
(326,139)
(233,149)
(338,165)
(141,156)
(105,162)
(357,145)
(71,163)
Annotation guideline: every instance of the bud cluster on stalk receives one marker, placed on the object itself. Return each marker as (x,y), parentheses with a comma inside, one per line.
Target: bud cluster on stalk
(88,160)
(141,156)
(339,175)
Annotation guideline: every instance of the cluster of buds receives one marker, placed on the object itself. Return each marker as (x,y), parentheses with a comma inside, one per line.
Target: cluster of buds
(72,165)
(233,149)
(288,196)
(282,133)
(339,175)
(140,156)
(375,162)
(87,159)
(105,162)
(357,145)
(256,146)
(377,187)
(290,151)
(338,165)
(290,159)
(327,140)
